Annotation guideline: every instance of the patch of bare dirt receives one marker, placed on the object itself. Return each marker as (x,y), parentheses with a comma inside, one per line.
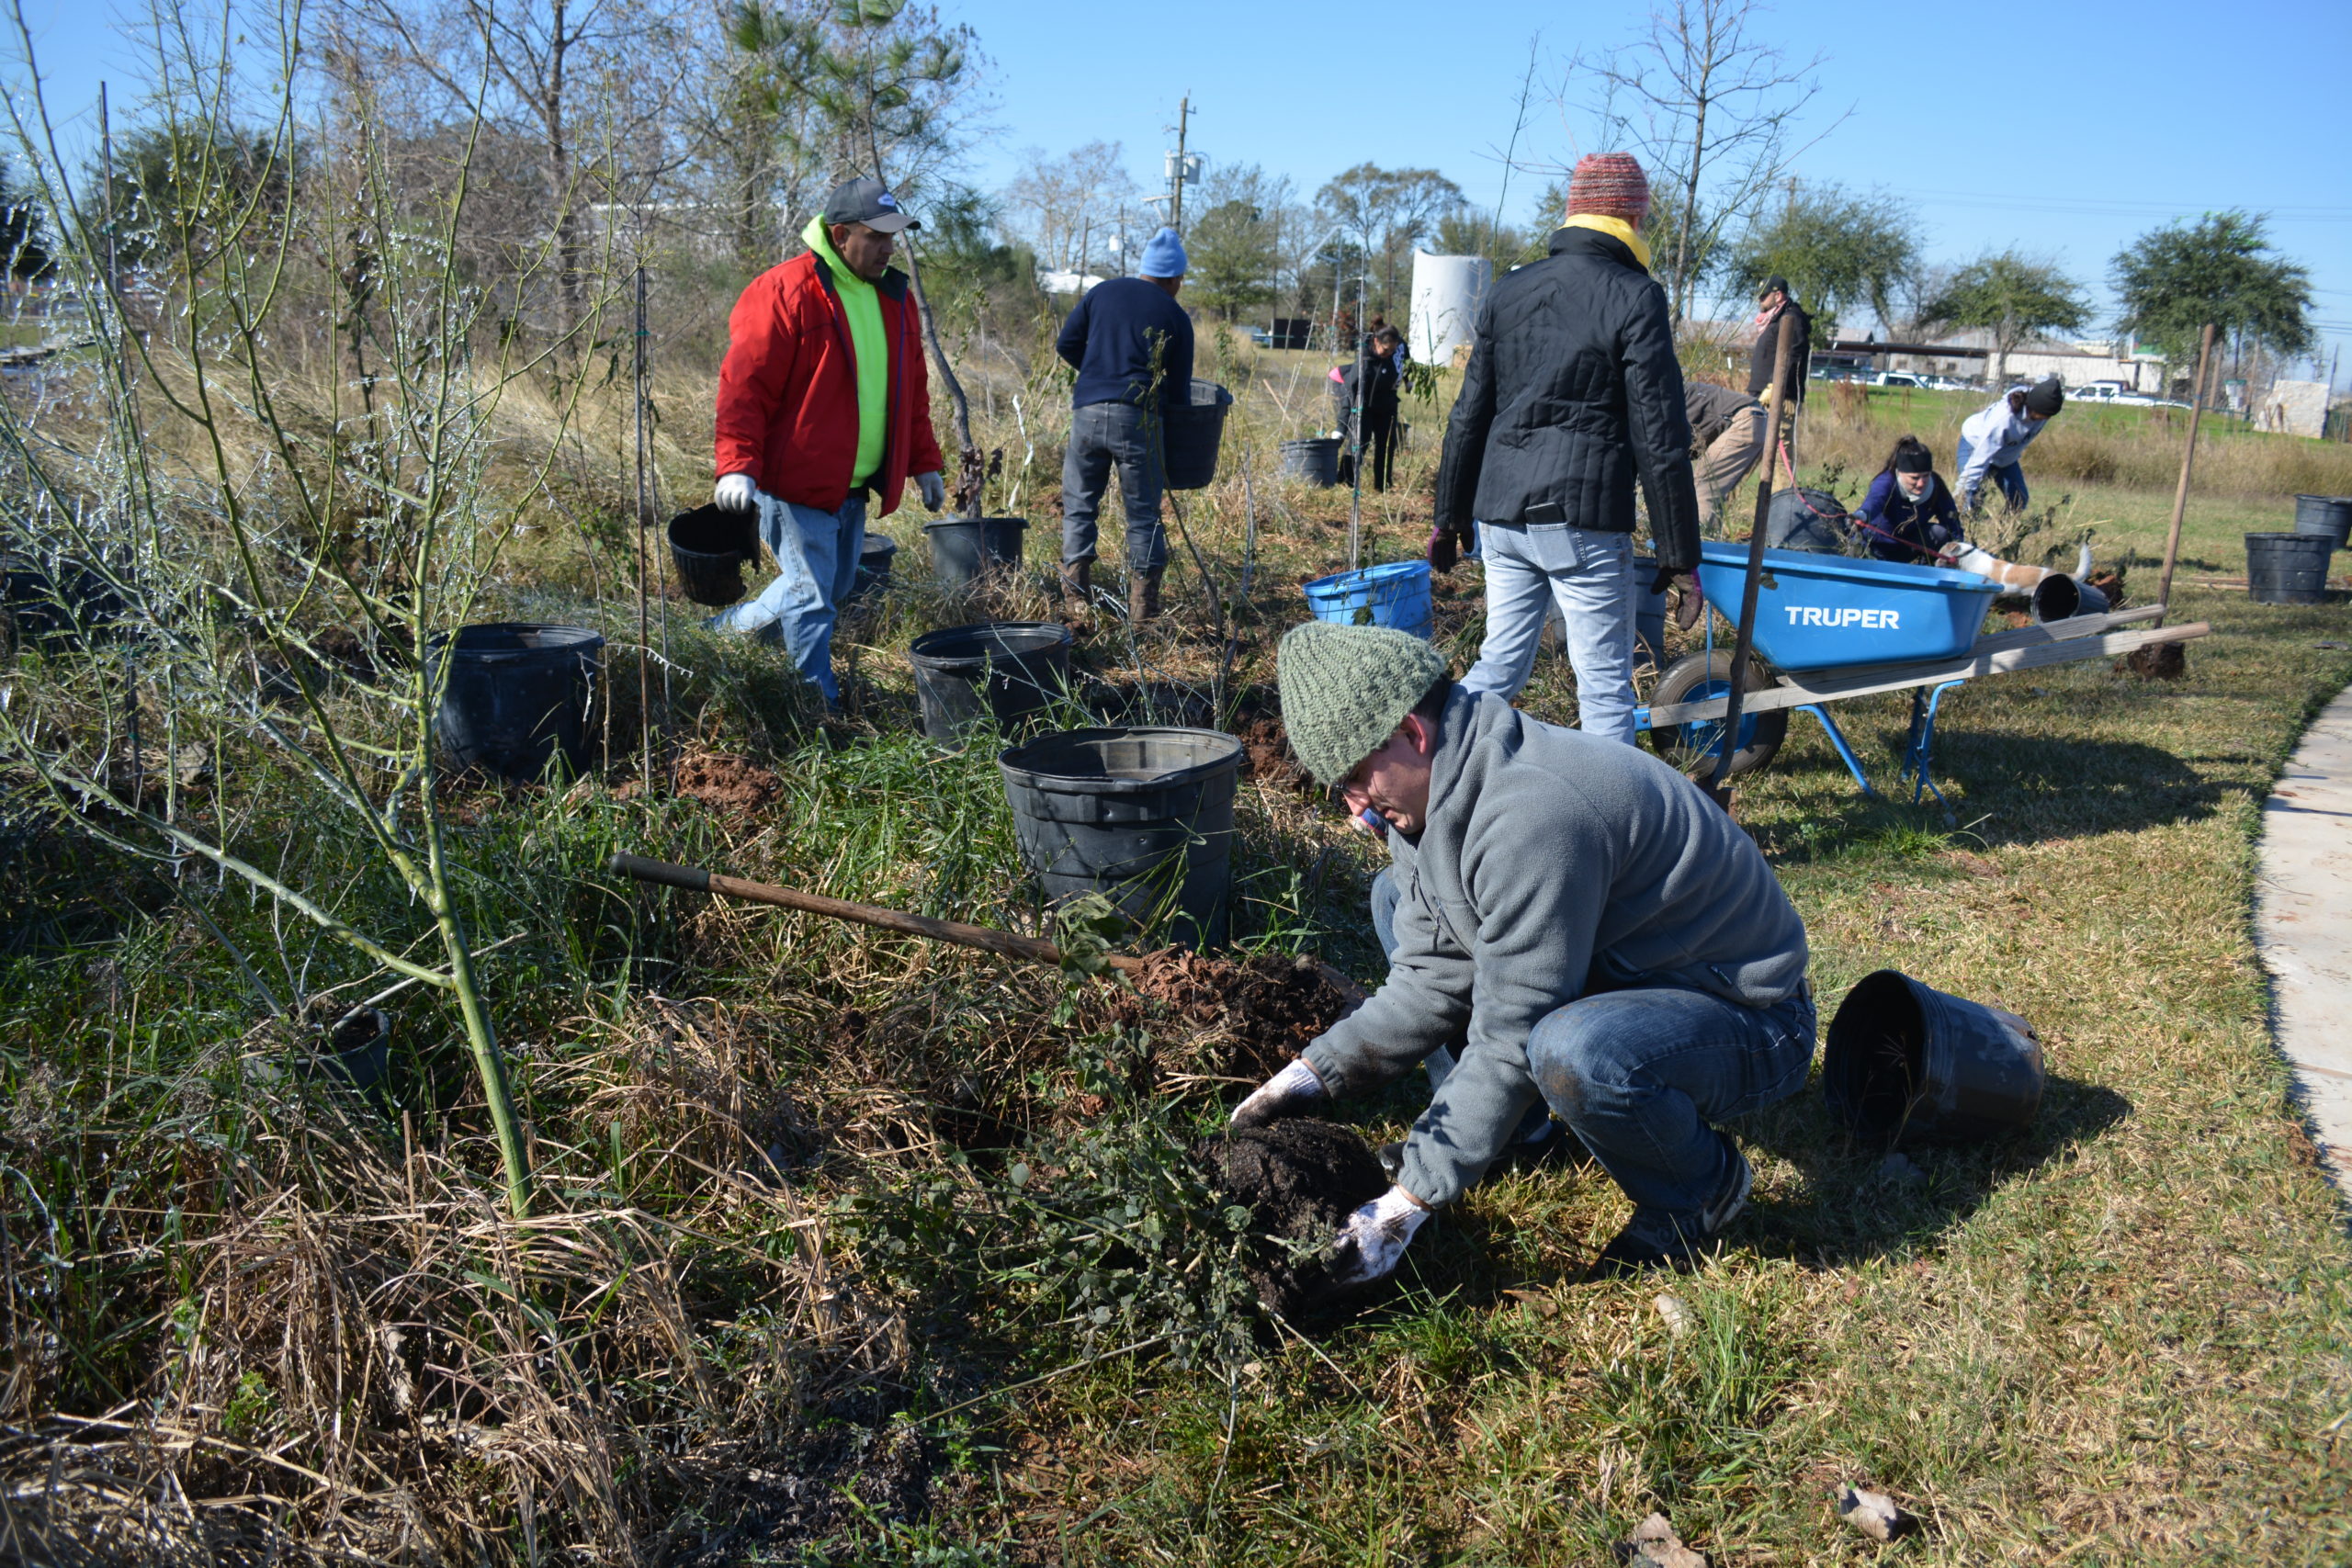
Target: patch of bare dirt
(2156,661)
(1271,760)
(735,787)
(1249,1019)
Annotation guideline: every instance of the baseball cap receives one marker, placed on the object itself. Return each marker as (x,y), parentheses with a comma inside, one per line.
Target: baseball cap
(866,202)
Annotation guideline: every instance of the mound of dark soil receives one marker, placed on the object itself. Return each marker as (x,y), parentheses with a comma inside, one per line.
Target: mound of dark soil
(1300,1178)
(1255,1016)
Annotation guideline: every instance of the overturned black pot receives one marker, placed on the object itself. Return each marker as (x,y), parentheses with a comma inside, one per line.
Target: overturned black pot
(1907,1063)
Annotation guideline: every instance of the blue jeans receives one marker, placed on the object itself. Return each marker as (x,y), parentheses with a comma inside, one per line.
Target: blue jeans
(1640,1074)
(1590,574)
(800,606)
(2010,477)
(1100,436)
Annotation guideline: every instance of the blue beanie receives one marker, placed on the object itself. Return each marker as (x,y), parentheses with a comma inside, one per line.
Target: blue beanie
(1164,257)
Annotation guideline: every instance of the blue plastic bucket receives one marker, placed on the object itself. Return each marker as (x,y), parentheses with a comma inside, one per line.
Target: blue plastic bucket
(1396,595)
(1815,612)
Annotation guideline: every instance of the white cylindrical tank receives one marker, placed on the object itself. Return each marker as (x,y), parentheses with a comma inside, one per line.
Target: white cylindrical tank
(1446,291)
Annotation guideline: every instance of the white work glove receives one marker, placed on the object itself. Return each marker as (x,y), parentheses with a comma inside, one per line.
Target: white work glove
(934,490)
(1372,1241)
(735,492)
(1284,1094)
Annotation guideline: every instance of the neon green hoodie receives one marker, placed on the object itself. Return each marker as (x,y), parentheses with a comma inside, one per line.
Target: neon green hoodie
(871,351)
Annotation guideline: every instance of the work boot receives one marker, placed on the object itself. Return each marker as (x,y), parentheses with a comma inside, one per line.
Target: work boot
(1077,588)
(1143,594)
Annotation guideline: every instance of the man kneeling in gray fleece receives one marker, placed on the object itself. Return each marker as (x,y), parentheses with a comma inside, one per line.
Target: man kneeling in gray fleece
(1574,923)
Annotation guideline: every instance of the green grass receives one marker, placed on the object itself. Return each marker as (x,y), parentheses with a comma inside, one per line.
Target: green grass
(783,1230)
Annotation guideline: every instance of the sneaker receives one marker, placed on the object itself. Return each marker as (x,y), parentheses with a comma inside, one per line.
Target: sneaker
(1636,1249)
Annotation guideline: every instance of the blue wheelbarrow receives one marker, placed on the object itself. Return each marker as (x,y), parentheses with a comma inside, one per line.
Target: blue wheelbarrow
(1829,628)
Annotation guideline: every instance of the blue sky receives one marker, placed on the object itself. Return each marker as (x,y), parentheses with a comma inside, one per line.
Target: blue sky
(2065,129)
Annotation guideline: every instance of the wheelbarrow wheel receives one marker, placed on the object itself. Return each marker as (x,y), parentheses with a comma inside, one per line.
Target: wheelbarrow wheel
(1695,678)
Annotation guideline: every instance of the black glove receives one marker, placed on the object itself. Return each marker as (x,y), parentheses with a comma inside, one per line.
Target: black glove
(1444,552)
(1688,598)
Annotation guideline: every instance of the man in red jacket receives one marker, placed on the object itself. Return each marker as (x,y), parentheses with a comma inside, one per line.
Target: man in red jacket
(823,402)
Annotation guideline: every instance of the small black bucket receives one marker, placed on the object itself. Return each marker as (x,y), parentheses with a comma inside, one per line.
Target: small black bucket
(874,558)
(1907,1063)
(1143,816)
(517,697)
(710,546)
(2328,514)
(964,549)
(2288,569)
(1004,670)
(1193,434)
(1315,460)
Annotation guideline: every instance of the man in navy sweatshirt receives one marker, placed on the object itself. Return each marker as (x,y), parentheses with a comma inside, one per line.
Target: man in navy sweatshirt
(1133,346)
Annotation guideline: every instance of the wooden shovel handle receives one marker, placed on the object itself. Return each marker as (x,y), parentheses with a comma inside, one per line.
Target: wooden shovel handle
(694,879)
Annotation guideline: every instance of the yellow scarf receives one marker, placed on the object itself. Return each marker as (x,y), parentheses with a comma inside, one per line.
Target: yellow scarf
(1615,228)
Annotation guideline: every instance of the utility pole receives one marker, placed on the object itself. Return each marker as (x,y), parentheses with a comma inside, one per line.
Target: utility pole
(1181,170)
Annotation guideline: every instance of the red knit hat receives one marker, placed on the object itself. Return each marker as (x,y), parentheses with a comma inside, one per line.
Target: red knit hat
(1611,184)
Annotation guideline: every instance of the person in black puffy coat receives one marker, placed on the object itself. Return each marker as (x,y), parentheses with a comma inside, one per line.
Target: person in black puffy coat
(1572,396)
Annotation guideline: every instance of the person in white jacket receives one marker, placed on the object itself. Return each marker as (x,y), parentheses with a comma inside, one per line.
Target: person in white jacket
(1994,437)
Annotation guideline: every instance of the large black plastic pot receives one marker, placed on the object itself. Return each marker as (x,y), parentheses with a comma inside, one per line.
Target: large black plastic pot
(1007,671)
(710,546)
(2328,514)
(963,549)
(1143,816)
(517,697)
(874,558)
(2288,569)
(1191,436)
(58,609)
(1315,460)
(1907,1063)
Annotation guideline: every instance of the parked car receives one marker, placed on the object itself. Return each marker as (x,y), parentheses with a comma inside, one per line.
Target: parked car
(1899,379)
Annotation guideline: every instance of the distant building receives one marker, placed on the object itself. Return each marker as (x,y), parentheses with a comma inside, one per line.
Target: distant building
(1059,282)
(2293,408)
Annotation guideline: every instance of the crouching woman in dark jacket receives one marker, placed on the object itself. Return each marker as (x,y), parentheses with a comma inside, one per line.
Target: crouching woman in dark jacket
(1909,514)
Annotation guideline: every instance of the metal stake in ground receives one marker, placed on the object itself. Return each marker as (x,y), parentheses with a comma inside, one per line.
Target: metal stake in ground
(2180,495)
(1719,787)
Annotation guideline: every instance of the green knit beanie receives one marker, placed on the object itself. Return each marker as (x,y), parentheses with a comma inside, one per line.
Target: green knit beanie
(1345,689)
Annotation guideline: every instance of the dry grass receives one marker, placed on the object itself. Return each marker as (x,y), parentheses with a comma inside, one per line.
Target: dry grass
(2118,1339)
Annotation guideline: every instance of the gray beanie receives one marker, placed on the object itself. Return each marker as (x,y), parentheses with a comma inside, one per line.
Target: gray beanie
(1345,689)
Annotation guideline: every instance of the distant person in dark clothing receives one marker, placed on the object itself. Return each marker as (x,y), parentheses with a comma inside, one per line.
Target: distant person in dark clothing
(1778,312)
(1909,514)
(1126,336)
(1381,371)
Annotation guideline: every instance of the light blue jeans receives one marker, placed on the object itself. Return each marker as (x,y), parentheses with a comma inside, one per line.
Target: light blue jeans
(1590,574)
(799,607)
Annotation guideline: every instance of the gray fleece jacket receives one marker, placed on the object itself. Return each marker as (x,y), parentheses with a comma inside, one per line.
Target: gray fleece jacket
(1550,864)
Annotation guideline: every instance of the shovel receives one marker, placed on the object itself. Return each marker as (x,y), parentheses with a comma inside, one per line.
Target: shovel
(694,879)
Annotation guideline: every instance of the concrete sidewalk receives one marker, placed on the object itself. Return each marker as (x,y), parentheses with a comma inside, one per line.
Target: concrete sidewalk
(2303,923)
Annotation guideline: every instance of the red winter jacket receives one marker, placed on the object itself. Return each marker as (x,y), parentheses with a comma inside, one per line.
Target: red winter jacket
(788,390)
